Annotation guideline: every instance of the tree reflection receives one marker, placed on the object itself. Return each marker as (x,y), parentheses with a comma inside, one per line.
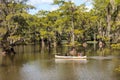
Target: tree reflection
(7,59)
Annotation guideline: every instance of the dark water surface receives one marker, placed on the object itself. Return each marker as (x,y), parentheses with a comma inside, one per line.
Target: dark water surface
(33,63)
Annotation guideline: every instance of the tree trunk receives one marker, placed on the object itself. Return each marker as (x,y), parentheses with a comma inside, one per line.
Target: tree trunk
(108,25)
(42,41)
(110,11)
(54,43)
(116,37)
(73,35)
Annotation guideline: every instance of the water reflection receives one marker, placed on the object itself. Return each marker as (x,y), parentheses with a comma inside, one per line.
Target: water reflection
(32,64)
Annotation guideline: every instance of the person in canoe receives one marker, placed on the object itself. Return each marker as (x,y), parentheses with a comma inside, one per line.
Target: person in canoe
(73,52)
(101,44)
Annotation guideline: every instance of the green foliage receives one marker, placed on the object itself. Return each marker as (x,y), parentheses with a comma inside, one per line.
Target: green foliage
(106,39)
(13,22)
(61,24)
(116,46)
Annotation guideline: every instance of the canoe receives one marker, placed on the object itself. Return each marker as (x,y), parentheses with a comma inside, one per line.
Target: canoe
(82,61)
(70,57)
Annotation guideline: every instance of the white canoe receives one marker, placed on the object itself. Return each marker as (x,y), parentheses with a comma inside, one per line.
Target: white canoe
(70,57)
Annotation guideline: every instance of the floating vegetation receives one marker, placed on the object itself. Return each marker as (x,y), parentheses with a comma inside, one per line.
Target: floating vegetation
(118,69)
